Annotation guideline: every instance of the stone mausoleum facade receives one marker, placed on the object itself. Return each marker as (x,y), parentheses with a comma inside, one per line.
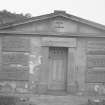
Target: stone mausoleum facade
(56,52)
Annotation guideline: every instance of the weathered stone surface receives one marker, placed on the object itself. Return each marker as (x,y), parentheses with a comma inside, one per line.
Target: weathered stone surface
(96,43)
(96,76)
(15,58)
(96,60)
(80,63)
(95,51)
(36,39)
(58,100)
(14,75)
(60,42)
(13,67)
(14,43)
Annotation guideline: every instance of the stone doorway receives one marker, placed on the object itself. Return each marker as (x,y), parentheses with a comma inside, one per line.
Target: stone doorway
(57,68)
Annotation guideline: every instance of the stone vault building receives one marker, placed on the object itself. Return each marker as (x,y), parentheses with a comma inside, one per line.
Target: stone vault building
(56,52)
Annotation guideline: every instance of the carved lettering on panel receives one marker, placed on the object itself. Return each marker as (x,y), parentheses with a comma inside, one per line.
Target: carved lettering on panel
(60,42)
(96,76)
(94,51)
(14,75)
(98,44)
(96,60)
(13,43)
(13,67)
(15,58)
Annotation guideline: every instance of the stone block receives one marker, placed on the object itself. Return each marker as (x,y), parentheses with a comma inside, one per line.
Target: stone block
(42,88)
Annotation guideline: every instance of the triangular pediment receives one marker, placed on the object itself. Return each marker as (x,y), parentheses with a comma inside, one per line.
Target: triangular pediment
(57,22)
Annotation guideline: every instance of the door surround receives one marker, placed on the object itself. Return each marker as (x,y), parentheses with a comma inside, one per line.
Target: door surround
(58,68)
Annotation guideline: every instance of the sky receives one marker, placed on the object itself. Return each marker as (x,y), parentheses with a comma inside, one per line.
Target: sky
(93,10)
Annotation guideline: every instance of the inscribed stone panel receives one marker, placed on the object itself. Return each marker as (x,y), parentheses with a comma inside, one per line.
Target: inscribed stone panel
(96,61)
(98,44)
(15,58)
(96,76)
(13,67)
(60,42)
(95,51)
(14,43)
(14,75)
(63,25)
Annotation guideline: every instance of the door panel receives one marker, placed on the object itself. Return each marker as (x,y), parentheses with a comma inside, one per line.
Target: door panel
(57,68)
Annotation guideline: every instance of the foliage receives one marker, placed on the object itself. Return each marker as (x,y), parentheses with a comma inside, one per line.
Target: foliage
(9,17)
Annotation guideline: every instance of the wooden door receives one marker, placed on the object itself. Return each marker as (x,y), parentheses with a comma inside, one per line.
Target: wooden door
(57,68)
